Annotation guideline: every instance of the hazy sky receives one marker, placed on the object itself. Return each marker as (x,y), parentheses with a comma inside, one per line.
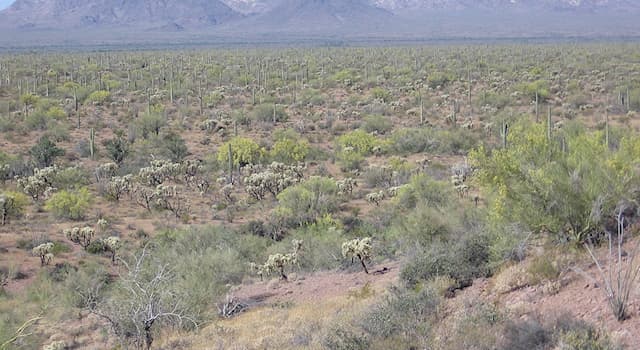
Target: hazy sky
(5,3)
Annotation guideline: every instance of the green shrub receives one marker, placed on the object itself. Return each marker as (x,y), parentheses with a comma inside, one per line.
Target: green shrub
(60,247)
(71,204)
(265,113)
(405,318)
(350,160)
(12,206)
(541,87)
(244,151)
(99,97)
(566,191)
(422,189)
(381,94)
(45,151)
(343,338)
(96,247)
(462,260)
(441,79)
(290,151)
(419,140)
(359,141)
(70,178)
(304,203)
(377,123)
(563,332)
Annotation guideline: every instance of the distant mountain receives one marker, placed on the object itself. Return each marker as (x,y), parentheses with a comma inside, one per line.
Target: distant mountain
(249,7)
(134,13)
(115,21)
(506,5)
(313,16)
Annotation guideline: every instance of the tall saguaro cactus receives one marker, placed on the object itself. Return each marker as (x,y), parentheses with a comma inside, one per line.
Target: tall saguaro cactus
(230,164)
(92,143)
(504,132)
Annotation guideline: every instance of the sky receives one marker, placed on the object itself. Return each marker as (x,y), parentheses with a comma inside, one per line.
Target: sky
(5,3)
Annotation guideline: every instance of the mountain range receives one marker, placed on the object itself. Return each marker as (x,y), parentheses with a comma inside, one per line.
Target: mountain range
(345,18)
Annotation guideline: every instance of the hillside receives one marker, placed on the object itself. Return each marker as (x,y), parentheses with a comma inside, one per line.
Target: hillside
(42,22)
(56,14)
(322,16)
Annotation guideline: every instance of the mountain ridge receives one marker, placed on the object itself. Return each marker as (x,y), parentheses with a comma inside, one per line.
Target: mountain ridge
(404,19)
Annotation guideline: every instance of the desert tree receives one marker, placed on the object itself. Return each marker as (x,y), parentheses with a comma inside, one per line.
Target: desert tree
(144,298)
(44,152)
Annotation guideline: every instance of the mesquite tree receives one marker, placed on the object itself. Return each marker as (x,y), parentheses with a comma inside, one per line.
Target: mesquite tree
(145,297)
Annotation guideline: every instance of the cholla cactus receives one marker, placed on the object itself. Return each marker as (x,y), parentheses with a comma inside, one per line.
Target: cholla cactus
(5,172)
(227,193)
(458,183)
(82,236)
(44,252)
(144,196)
(346,186)
(274,179)
(56,345)
(40,183)
(102,224)
(112,245)
(376,197)
(158,172)
(118,186)
(393,191)
(167,197)
(360,248)
(277,262)
(105,171)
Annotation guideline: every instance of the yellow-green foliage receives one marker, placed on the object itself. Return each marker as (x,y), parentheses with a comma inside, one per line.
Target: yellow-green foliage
(12,205)
(244,151)
(358,141)
(539,86)
(290,150)
(99,97)
(70,204)
(565,185)
(55,112)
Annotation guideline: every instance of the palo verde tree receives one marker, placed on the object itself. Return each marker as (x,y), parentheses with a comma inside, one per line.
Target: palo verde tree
(560,184)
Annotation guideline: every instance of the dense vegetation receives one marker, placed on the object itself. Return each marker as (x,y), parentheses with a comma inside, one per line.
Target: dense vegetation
(139,189)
